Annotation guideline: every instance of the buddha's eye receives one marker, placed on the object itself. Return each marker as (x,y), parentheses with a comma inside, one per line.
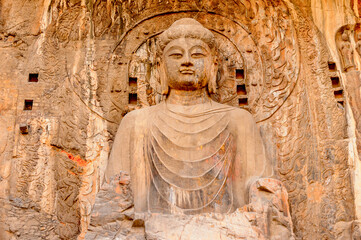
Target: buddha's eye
(176,55)
(198,55)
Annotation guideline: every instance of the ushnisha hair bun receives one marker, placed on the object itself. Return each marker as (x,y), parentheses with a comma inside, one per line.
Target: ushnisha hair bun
(186,28)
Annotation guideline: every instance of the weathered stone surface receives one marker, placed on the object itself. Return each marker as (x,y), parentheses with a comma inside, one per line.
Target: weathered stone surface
(202,227)
(113,210)
(267,216)
(85,52)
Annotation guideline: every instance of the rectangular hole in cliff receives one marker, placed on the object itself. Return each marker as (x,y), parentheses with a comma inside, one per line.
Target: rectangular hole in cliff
(28,104)
(332,66)
(340,103)
(241,89)
(133,98)
(24,128)
(338,94)
(133,82)
(239,74)
(335,82)
(33,77)
(243,102)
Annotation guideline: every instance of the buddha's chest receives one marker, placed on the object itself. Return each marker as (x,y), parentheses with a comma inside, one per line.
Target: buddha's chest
(189,161)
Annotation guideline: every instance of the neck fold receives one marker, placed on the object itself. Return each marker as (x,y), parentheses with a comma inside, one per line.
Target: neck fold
(188,98)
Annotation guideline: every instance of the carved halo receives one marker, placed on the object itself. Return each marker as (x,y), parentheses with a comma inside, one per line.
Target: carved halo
(263,62)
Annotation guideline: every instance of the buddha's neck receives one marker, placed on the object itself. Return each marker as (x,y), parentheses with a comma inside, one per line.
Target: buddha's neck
(188,98)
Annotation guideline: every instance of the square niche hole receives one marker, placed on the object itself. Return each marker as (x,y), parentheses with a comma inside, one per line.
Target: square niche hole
(133,98)
(243,102)
(133,82)
(239,74)
(335,82)
(33,77)
(28,105)
(338,94)
(341,103)
(241,89)
(332,66)
(24,128)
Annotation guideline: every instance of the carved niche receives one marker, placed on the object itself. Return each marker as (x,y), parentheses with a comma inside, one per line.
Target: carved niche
(345,48)
(357,37)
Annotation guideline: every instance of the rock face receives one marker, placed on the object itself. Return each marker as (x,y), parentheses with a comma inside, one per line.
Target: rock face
(235,226)
(72,69)
(113,212)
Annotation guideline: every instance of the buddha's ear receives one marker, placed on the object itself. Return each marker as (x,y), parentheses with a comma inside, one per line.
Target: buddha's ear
(212,84)
(162,77)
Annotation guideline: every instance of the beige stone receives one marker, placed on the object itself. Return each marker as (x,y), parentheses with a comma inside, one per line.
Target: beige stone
(202,227)
(96,62)
(188,154)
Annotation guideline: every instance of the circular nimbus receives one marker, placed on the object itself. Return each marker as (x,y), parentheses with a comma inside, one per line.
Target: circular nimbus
(250,65)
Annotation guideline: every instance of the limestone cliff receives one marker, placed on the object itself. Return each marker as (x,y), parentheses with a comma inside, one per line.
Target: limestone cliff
(71,69)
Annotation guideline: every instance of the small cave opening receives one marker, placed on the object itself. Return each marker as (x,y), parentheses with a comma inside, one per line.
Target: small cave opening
(28,105)
(239,74)
(332,66)
(33,77)
(338,94)
(133,98)
(241,89)
(335,82)
(243,102)
(133,82)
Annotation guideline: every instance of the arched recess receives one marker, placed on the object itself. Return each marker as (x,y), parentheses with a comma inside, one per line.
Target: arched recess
(345,38)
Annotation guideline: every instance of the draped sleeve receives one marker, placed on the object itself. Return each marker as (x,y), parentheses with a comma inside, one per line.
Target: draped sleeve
(120,159)
(251,161)
(127,154)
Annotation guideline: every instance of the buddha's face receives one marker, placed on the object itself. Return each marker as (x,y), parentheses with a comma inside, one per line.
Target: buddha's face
(188,64)
(345,37)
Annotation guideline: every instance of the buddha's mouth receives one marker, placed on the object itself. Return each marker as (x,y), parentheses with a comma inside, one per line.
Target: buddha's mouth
(186,71)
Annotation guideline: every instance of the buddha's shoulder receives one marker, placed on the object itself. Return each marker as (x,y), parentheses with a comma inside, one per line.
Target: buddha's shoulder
(141,114)
(239,113)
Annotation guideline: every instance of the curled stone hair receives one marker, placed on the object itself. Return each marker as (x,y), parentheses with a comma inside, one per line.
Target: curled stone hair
(187,28)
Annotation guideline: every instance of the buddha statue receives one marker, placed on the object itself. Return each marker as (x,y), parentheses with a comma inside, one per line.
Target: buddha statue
(347,52)
(188,154)
(358,43)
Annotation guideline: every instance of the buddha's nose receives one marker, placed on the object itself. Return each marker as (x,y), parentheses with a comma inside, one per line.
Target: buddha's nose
(187,61)
(187,64)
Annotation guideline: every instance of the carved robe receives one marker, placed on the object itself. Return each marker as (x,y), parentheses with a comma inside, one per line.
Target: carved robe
(347,55)
(192,161)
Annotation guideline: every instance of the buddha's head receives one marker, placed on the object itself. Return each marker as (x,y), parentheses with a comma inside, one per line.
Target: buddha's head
(345,36)
(187,57)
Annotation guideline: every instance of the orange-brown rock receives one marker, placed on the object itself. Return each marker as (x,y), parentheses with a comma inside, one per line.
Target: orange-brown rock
(71,70)
(190,155)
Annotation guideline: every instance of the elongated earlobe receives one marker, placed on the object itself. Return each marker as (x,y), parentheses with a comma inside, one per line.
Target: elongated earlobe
(212,84)
(163,79)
